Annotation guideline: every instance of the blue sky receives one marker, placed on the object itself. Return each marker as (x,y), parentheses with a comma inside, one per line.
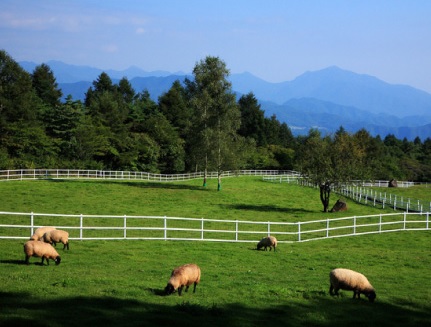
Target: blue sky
(276,40)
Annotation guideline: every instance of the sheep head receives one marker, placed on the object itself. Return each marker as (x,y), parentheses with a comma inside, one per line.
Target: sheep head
(169,289)
(371,296)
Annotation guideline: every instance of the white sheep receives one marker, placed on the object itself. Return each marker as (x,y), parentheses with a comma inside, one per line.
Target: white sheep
(38,233)
(57,236)
(40,249)
(185,275)
(265,242)
(350,280)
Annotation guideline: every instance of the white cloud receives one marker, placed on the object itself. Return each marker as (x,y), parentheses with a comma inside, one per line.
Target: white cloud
(110,48)
(140,30)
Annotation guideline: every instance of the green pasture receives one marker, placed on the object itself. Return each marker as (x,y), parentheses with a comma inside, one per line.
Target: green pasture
(120,283)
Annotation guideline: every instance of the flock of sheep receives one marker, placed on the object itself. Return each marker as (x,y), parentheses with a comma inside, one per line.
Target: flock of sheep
(40,245)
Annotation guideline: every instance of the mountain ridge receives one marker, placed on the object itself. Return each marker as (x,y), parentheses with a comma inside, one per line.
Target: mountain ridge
(327,98)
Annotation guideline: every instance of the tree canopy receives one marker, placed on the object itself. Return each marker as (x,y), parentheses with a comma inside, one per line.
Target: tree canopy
(198,124)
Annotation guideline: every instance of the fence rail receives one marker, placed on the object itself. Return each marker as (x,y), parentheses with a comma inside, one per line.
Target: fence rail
(16,225)
(32,174)
(361,192)
(383,199)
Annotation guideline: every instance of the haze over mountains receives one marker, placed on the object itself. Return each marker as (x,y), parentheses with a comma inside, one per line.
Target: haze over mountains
(324,99)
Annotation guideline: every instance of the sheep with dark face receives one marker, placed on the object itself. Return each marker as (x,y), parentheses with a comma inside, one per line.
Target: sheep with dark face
(185,275)
(350,280)
(265,242)
(40,249)
(38,233)
(57,236)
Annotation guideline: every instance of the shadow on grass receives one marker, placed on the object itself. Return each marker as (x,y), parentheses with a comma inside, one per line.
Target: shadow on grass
(138,183)
(23,309)
(266,208)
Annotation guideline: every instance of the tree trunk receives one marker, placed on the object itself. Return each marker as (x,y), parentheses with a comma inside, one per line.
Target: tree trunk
(325,193)
(205,171)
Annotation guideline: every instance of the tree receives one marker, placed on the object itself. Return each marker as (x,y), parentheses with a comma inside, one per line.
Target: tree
(329,162)
(17,97)
(314,163)
(216,116)
(22,135)
(171,147)
(252,119)
(173,105)
(46,87)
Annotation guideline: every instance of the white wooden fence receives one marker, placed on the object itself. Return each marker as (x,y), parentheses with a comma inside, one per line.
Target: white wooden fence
(31,174)
(361,192)
(15,225)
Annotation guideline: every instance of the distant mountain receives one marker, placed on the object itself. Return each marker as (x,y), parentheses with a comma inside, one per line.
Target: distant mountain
(324,99)
(305,113)
(342,87)
(66,73)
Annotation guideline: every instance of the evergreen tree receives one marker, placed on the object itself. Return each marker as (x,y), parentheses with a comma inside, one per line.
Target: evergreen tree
(46,87)
(252,119)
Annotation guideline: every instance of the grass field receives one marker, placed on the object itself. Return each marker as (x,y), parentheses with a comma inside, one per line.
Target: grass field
(120,283)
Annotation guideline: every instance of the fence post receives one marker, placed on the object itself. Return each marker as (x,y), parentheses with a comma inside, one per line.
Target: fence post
(202,228)
(236,230)
(299,231)
(405,218)
(354,225)
(32,223)
(165,228)
(125,227)
(327,227)
(380,223)
(428,220)
(81,218)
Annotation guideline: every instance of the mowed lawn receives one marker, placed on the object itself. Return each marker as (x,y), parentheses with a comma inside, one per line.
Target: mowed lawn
(120,283)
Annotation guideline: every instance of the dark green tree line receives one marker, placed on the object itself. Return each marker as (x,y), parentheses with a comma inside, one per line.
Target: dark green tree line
(197,125)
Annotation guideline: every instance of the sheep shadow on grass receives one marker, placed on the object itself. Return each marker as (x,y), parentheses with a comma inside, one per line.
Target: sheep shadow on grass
(13,262)
(25,309)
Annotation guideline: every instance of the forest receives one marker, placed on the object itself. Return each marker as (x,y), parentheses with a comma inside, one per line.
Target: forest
(197,125)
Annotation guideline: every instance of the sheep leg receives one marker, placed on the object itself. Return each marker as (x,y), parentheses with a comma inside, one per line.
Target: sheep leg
(194,288)
(66,245)
(333,291)
(180,289)
(187,288)
(27,259)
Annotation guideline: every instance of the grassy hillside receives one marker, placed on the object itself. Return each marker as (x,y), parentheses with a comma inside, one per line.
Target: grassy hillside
(121,282)
(107,283)
(242,198)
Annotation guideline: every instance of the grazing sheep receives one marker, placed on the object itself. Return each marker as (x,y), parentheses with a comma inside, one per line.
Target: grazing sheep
(350,280)
(185,275)
(38,233)
(40,249)
(265,242)
(57,236)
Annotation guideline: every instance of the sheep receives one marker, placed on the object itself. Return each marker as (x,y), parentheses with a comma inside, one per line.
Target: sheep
(265,242)
(38,233)
(57,236)
(350,280)
(185,275)
(40,249)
